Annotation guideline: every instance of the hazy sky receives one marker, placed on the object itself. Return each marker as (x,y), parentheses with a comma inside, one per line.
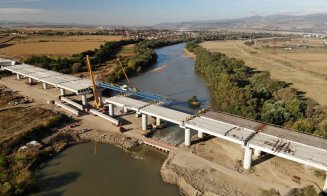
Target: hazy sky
(148,12)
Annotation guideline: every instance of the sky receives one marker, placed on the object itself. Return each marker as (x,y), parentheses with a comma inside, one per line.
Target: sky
(149,12)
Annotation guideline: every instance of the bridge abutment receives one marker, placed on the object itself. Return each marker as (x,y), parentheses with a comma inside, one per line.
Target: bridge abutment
(247,158)
(187,137)
(144,122)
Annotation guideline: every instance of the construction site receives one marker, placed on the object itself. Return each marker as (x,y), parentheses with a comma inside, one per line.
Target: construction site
(135,113)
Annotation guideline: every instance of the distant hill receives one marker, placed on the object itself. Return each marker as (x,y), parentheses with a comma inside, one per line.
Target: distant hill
(306,23)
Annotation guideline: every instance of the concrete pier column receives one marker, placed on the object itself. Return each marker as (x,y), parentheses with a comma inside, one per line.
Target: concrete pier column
(325,186)
(247,158)
(111,109)
(158,121)
(257,152)
(62,92)
(30,80)
(18,77)
(45,85)
(125,110)
(100,99)
(200,134)
(187,137)
(144,122)
(84,100)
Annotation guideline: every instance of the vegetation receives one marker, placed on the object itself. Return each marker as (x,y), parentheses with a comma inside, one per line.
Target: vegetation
(16,176)
(306,191)
(194,102)
(241,91)
(270,192)
(106,52)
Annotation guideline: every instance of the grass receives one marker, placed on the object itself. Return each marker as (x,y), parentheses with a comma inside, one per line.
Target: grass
(305,69)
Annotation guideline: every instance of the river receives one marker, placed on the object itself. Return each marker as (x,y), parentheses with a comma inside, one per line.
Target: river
(112,171)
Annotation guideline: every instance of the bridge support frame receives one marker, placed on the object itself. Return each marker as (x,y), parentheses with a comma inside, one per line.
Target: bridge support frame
(84,99)
(187,137)
(144,122)
(18,77)
(247,158)
(111,109)
(200,134)
(45,86)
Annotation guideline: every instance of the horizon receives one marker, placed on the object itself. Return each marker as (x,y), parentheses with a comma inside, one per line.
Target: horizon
(148,13)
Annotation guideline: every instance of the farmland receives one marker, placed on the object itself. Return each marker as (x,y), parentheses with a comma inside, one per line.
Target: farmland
(55,46)
(303,67)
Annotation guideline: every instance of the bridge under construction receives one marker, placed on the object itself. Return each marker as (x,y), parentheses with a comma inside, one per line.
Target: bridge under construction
(256,138)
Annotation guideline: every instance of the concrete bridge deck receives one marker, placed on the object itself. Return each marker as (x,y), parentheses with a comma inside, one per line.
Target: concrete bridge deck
(58,80)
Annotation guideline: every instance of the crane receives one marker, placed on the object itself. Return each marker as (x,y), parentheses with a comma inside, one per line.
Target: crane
(121,66)
(97,103)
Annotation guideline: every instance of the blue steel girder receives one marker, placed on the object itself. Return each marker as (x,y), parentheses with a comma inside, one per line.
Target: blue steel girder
(142,94)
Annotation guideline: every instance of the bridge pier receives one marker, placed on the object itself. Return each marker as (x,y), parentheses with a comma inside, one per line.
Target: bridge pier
(257,152)
(84,99)
(137,114)
(158,121)
(30,81)
(200,134)
(18,77)
(45,85)
(325,186)
(62,92)
(144,122)
(187,137)
(247,158)
(111,109)
(125,110)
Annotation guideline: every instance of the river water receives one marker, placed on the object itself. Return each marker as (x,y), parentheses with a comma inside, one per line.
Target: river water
(113,171)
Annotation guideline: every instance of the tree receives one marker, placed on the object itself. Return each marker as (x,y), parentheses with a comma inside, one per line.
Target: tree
(76,67)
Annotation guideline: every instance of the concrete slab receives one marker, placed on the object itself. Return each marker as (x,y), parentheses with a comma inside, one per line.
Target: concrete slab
(298,152)
(166,114)
(123,101)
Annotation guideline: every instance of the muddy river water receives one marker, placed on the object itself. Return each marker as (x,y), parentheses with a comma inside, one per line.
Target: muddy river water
(113,171)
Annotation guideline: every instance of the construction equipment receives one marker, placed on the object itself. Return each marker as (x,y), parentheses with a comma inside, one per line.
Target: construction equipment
(121,66)
(97,103)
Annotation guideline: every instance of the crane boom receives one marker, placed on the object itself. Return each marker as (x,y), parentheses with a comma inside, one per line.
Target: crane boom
(121,65)
(97,104)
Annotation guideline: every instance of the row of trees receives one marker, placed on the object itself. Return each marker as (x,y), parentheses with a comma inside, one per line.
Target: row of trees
(242,91)
(76,63)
